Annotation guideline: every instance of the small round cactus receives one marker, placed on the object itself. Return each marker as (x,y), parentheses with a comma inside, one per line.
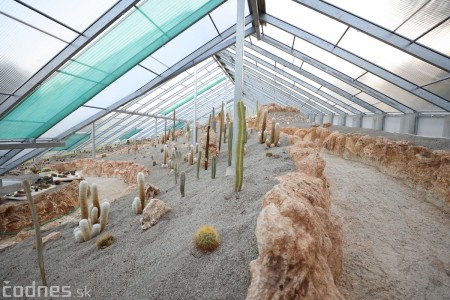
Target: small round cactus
(207,238)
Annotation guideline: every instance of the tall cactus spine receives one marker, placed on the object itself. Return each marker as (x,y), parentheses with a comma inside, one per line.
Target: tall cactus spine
(207,148)
(230,143)
(221,127)
(277,135)
(182,183)
(257,117)
(82,197)
(199,160)
(239,168)
(141,188)
(213,167)
(262,139)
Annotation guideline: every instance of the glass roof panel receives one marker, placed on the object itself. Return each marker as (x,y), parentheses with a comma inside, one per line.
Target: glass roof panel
(368,98)
(387,13)
(386,108)
(438,39)
(225,15)
(336,95)
(192,38)
(79,115)
(331,79)
(128,83)
(78,14)
(328,58)
(306,19)
(397,93)
(274,50)
(114,52)
(390,58)
(441,88)
(430,15)
(154,65)
(17,62)
(278,34)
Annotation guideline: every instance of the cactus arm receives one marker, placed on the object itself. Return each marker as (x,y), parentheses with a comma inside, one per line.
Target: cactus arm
(82,197)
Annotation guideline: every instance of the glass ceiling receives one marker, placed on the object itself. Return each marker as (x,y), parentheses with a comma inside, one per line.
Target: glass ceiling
(143,64)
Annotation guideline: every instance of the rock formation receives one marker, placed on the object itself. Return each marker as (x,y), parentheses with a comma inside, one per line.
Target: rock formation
(15,216)
(299,242)
(154,210)
(125,170)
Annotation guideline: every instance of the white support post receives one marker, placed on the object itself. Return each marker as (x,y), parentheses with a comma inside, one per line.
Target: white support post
(238,76)
(93,140)
(194,128)
(156,129)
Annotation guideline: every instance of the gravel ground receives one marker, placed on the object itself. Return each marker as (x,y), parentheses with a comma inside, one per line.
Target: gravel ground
(161,263)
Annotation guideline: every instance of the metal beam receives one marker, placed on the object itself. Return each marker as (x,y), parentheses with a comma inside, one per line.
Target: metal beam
(339,75)
(145,115)
(350,57)
(391,38)
(8,146)
(71,49)
(251,67)
(255,13)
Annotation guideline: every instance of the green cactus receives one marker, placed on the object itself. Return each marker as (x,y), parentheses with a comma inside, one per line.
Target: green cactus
(207,148)
(225,133)
(182,183)
(245,125)
(213,168)
(82,197)
(272,134)
(239,168)
(213,120)
(257,117)
(198,163)
(221,128)
(230,143)
(262,138)
(191,156)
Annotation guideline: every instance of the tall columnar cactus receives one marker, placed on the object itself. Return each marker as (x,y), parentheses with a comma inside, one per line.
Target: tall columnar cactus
(82,197)
(196,148)
(230,143)
(95,199)
(221,127)
(245,124)
(207,149)
(213,120)
(199,160)
(104,215)
(213,167)
(182,183)
(225,133)
(165,156)
(141,188)
(257,117)
(239,168)
(277,135)
(174,126)
(272,134)
(191,156)
(263,127)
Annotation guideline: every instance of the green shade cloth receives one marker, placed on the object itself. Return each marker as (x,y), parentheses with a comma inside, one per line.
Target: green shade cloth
(73,141)
(130,40)
(189,98)
(130,133)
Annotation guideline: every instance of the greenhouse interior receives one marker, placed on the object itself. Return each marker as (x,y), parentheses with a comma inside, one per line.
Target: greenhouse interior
(211,149)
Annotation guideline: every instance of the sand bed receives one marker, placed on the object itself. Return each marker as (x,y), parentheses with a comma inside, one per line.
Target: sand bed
(396,245)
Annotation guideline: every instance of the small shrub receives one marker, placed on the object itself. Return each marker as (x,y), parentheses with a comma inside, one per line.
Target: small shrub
(105,240)
(207,238)
(269,154)
(103,155)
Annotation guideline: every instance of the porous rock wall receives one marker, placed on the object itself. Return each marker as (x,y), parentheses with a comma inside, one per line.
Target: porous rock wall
(299,242)
(15,216)
(125,170)
(425,169)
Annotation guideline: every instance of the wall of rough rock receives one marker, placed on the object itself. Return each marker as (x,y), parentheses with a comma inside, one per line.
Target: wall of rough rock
(299,242)
(125,170)
(425,169)
(15,216)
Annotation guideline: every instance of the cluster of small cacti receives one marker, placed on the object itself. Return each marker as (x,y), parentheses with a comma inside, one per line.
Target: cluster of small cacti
(94,218)
(274,135)
(206,238)
(239,168)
